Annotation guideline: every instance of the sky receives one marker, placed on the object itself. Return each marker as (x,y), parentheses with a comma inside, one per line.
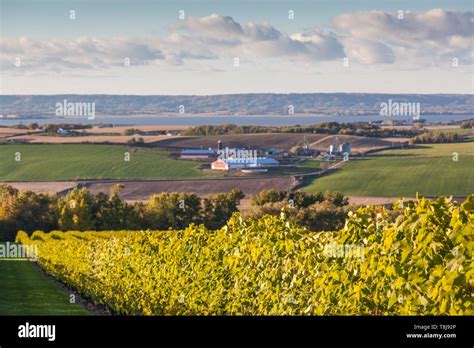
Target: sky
(196,47)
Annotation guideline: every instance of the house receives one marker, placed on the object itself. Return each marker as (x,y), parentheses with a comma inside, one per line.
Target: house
(237,164)
(196,154)
(62,131)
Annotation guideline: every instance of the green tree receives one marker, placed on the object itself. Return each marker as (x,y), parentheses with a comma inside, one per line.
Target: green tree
(77,211)
(267,196)
(217,209)
(172,210)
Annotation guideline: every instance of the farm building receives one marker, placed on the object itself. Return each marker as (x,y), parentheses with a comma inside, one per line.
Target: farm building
(62,131)
(345,148)
(196,154)
(337,149)
(235,164)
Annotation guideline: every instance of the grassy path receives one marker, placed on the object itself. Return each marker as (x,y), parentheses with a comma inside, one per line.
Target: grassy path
(25,290)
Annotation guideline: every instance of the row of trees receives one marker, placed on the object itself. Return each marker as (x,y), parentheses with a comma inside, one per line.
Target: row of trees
(437,137)
(352,128)
(80,210)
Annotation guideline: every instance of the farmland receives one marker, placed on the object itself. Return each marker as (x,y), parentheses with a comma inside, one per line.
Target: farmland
(66,162)
(428,170)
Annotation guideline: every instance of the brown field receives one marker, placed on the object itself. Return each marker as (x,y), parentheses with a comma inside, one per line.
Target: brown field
(43,187)
(262,140)
(279,140)
(371,200)
(396,140)
(359,144)
(9,132)
(115,139)
(122,129)
(141,190)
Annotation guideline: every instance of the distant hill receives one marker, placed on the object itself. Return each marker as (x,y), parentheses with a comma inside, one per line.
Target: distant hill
(238,104)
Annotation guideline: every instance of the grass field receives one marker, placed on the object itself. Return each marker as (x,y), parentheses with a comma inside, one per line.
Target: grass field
(82,161)
(428,170)
(26,290)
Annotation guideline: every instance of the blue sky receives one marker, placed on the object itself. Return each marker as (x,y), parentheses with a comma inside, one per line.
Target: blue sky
(196,55)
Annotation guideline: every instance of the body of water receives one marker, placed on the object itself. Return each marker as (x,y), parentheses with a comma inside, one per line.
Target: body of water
(217,120)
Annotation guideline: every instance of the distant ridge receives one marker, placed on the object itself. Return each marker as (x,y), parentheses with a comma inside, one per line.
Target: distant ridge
(239,104)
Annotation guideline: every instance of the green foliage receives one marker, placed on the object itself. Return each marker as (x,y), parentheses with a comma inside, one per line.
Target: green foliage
(172,210)
(268,196)
(113,213)
(76,211)
(316,211)
(419,264)
(80,210)
(218,208)
(437,137)
(131,131)
(25,210)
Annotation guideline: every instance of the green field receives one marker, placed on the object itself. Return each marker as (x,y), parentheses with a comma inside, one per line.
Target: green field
(428,170)
(84,161)
(26,290)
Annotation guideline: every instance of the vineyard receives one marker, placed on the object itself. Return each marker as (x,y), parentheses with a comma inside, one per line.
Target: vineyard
(418,260)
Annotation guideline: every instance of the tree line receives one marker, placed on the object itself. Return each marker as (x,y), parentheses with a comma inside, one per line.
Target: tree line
(330,128)
(437,137)
(80,210)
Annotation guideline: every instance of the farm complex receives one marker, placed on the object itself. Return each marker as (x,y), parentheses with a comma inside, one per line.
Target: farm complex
(359,166)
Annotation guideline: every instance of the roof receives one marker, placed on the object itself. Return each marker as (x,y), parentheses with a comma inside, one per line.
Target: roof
(196,152)
(257,161)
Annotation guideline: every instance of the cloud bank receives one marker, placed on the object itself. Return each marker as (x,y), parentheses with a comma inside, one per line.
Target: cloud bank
(428,38)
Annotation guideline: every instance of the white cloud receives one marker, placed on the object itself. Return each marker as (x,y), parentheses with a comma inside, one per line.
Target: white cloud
(425,38)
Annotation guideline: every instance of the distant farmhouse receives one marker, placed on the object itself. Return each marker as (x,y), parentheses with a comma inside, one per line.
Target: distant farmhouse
(239,164)
(62,131)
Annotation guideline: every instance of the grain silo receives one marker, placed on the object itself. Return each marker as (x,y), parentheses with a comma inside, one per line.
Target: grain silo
(345,148)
